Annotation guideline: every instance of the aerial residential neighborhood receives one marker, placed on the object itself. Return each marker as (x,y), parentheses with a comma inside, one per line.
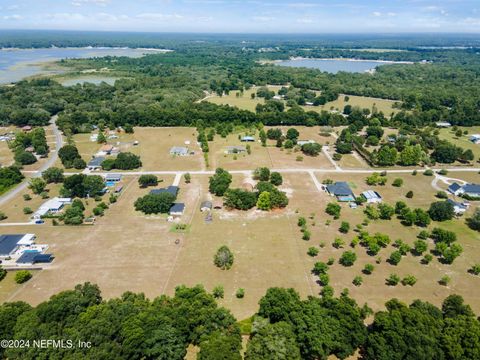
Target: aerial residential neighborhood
(228,180)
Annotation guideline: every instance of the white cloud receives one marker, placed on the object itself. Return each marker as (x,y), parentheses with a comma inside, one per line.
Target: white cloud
(158,16)
(304,20)
(263,18)
(13,17)
(377,13)
(94,2)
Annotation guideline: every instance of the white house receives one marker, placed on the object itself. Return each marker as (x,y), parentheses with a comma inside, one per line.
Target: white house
(372,196)
(52,206)
(458,208)
(443,124)
(475,138)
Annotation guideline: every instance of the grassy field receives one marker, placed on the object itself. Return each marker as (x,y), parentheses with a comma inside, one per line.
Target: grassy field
(6,155)
(126,250)
(247,103)
(462,141)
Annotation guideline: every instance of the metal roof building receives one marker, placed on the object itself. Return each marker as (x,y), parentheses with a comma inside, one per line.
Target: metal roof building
(177,209)
(33,257)
(341,190)
(9,243)
(96,162)
(179,151)
(170,189)
(372,196)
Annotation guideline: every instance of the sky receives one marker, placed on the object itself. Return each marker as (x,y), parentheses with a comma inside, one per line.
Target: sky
(247,16)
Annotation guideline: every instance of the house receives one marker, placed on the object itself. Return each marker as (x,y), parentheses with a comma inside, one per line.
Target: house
(309,103)
(113,177)
(341,190)
(475,138)
(106,149)
(303,142)
(206,206)
(247,139)
(170,189)
(10,243)
(454,189)
(179,151)
(235,149)
(95,163)
(458,208)
(443,124)
(52,206)
(26,128)
(177,209)
(34,257)
(372,196)
(471,190)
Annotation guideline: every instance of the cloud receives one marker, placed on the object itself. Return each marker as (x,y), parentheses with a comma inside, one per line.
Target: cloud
(304,20)
(377,13)
(13,17)
(263,18)
(158,16)
(87,2)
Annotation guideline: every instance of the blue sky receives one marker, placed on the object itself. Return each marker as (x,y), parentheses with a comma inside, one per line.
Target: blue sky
(258,16)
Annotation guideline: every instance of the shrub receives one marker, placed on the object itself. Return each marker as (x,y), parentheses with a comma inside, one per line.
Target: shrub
(27,210)
(313,251)
(320,268)
(240,294)
(475,269)
(445,280)
(147,180)
(301,221)
(427,258)
(420,246)
(338,243)
(223,258)
(2,216)
(333,209)
(218,292)
(357,280)
(27,197)
(424,234)
(368,269)
(330,261)
(3,273)
(22,276)
(344,227)
(428,172)
(324,279)
(443,172)
(409,280)
(393,280)
(409,194)
(348,258)
(306,235)
(337,157)
(441,195)
(276,178)
(395,257)
(397,182)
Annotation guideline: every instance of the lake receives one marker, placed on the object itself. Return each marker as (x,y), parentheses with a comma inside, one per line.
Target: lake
(335,65)
(16,64)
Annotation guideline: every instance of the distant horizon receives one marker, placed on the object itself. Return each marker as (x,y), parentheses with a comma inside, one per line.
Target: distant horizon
(249,16)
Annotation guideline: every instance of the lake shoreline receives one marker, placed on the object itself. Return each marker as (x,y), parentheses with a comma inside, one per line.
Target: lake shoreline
(301,58)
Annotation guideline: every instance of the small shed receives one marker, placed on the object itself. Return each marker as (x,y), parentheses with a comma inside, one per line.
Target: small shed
(372,196)
(247,139)
(177,209)
(206,206)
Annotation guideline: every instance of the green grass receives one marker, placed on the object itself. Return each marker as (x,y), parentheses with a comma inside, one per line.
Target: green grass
(246,325)
(462,141)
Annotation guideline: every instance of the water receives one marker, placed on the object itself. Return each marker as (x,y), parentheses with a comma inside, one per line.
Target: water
(334,66)
(16,64)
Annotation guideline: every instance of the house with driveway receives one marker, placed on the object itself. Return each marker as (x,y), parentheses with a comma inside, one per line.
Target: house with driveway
(341,190)
(470,190)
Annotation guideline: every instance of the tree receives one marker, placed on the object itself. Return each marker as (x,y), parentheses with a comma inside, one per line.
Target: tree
(387,156)
(395,257)
(101,139)
(409,280)
(385,211)
(276,178)
(312,251)
(263,202)
(79,164)
(147,180)
(311,149)
(220,346)
(411,155)
(333,209)
(53,175)
(368,269)
(293,134)
(155,203)
(127,161)
(393,280)
(240,293)
(218,292)
(223,258)
(263,137)
(348,258)
(474,221)
(219,183)
(320,268)
(73,216)
(37,185)
(357,280)
(467,156)
(446,153)
(188,178)
(441,211)
(273,341)
(420,246)
(344,227)
(274,134)
(240,199)
(67,154)
(22,276)
(128,128)
(279,304)
(3,273)
(397,182)
(262,174)
(409,194)
(25,158)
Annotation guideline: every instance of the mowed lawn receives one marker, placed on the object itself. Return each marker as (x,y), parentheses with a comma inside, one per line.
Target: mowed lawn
(464,140)
(246,102)
(374,291)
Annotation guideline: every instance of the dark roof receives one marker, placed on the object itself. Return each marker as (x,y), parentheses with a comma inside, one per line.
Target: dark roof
(455,203)
(177,207)
(96,161)
(113,177)
(34,257)
(340,188)
(454,187)
(471,188)
(8,243)
(171,190)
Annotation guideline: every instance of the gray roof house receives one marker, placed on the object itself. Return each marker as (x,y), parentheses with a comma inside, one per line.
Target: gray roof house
(9,243)
(341,190)
(34,257)
(170,189)
(454,188)
(471,190)
(177,209)
(95,163)
(179,151)
(458,208)
(113,177)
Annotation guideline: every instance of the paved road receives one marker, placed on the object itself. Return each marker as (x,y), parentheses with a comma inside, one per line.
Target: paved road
(51,160)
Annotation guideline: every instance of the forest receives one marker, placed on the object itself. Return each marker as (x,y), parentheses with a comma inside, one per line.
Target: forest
(285,327)
(163,89)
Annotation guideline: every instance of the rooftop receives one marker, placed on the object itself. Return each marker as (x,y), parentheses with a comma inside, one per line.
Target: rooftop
(340,188)
(454,187)
(111,177)
(370,194)
(471,188)
(177,208)
(32,257)
(180,150)
(97,161)
(9,242)
(170,189)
